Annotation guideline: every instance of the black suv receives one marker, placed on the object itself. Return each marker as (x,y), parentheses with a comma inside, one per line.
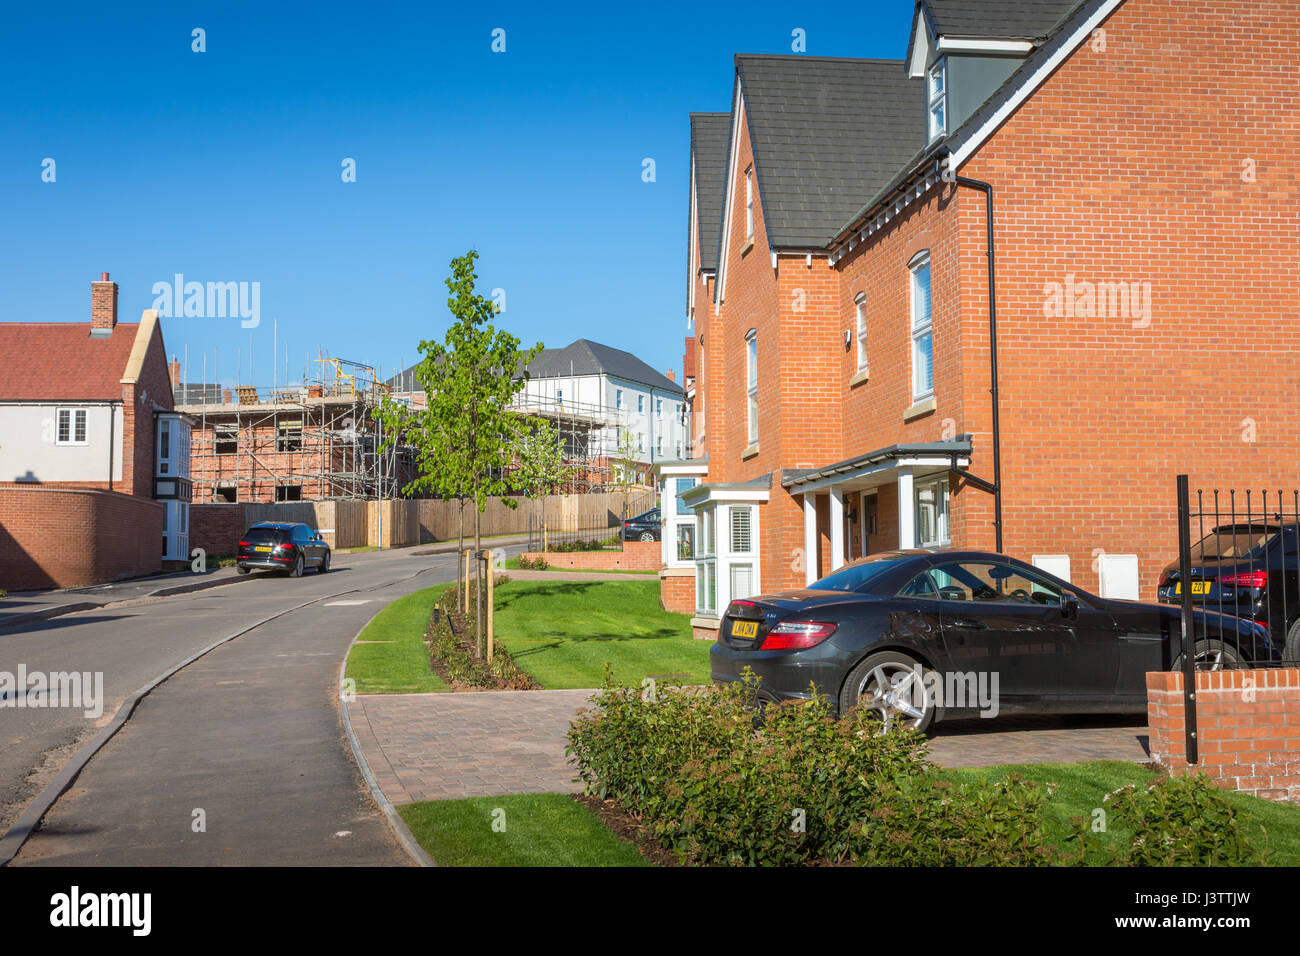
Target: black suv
(644,527)
(282,546)
(1249,570)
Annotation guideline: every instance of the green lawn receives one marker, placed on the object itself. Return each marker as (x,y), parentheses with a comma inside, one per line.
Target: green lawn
(563,632)
(1081,787)
(545,829)
(398,661)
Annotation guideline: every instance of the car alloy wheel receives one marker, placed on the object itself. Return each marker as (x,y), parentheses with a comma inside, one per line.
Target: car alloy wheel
(325,563)
(1212,656)
(297,567)
(647,535)
(893,685)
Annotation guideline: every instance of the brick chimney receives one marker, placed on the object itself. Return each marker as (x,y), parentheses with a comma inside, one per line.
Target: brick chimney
(672,376)
(103,304)
(174,367)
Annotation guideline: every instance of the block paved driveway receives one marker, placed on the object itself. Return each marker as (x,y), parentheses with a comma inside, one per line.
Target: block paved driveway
(448,745)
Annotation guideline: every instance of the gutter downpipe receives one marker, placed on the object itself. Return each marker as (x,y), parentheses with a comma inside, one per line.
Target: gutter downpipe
(987,189)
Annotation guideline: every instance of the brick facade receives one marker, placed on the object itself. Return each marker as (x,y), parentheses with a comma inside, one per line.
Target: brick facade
(64,538)
(1202,206)
(1248,728)
(677,590)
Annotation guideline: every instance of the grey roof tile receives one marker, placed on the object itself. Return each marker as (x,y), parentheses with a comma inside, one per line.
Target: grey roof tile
(827,135)
(1000,19)
(585,357)
(709,135)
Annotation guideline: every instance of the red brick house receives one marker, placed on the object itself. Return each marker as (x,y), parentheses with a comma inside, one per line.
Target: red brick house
(96,460)
(1142,248)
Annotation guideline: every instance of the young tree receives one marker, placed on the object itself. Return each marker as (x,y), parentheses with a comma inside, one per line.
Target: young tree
(627,469)
(540,469)
(466,437)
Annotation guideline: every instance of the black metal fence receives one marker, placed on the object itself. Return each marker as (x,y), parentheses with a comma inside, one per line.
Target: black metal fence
(1237,581)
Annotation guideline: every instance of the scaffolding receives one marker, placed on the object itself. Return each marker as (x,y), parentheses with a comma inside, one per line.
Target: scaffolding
(315,441)
(588,437)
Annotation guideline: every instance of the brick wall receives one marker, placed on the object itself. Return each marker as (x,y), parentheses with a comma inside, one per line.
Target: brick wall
(635,556)
(62,538)
(1248,728)
(216,528)
(677,590)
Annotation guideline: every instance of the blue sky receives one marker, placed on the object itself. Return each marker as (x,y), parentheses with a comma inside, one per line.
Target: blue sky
(225,166)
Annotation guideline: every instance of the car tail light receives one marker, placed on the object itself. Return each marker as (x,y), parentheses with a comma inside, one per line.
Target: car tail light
(791,635)
(1249,579)
(1164,579)
(245,544)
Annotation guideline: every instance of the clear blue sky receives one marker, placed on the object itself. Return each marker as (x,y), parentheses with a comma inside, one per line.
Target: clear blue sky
(225,165)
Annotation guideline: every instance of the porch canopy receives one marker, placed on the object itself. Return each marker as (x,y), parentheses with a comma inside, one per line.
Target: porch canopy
(899,464)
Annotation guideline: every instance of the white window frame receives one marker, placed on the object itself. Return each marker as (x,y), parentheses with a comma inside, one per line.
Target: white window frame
(72,412)
(749,203)
(618,398)
(942,502)
(860,307)
(640,404)
(751,385)
(937,99)
(921,326)
(659,409)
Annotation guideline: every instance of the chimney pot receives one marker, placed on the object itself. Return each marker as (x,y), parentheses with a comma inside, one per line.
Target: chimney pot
(672,376)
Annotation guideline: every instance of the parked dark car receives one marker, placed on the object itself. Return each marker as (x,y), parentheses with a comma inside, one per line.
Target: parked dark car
(1251,570)
(282,546)
(647,526)
(921,635)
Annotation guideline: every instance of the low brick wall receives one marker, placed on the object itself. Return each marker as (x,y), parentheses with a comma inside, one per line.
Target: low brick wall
(635,556)
(677,590)
(216,528)
(1248,728)
(65,538)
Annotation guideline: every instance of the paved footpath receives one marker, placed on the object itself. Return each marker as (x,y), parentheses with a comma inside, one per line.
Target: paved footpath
(450,745)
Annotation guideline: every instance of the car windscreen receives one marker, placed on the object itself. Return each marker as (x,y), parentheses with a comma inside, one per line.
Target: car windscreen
(265,535)
(855,577)
(1232,542)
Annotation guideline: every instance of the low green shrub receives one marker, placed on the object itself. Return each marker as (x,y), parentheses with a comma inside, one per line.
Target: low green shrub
(802,788)
(451,653)
(1177,821)
(532,564)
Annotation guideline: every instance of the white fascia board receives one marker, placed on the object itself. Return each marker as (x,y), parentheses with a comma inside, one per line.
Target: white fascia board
(961,45)
(681,468)
(729,496)
(737,119)
(694,254)
(1031,84)
(920,53)
(942,462)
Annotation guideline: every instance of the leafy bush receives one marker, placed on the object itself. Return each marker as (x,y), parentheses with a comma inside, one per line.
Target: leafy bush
(1177,821)
(803,788)
(532,564)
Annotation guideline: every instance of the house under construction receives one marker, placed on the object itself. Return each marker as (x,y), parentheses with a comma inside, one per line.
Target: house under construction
(300,443)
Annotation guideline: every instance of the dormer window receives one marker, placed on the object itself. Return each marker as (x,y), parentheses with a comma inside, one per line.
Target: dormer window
(938,99)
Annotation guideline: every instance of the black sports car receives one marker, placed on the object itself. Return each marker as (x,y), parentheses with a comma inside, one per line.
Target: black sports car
(923,634)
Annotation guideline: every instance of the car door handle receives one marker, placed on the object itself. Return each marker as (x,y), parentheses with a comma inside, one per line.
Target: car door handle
(969,624)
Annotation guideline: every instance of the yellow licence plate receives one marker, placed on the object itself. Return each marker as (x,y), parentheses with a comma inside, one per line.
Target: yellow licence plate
(744,629)
(1198,587)
(262,548)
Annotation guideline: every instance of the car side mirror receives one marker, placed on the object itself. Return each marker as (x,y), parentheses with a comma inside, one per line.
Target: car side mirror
(1069,604)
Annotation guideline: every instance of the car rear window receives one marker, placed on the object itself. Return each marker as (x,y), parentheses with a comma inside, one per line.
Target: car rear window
(854,577)
(1231,542)
(265,535)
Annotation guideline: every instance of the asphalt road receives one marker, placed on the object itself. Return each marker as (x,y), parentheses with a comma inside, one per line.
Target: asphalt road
(249,734)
